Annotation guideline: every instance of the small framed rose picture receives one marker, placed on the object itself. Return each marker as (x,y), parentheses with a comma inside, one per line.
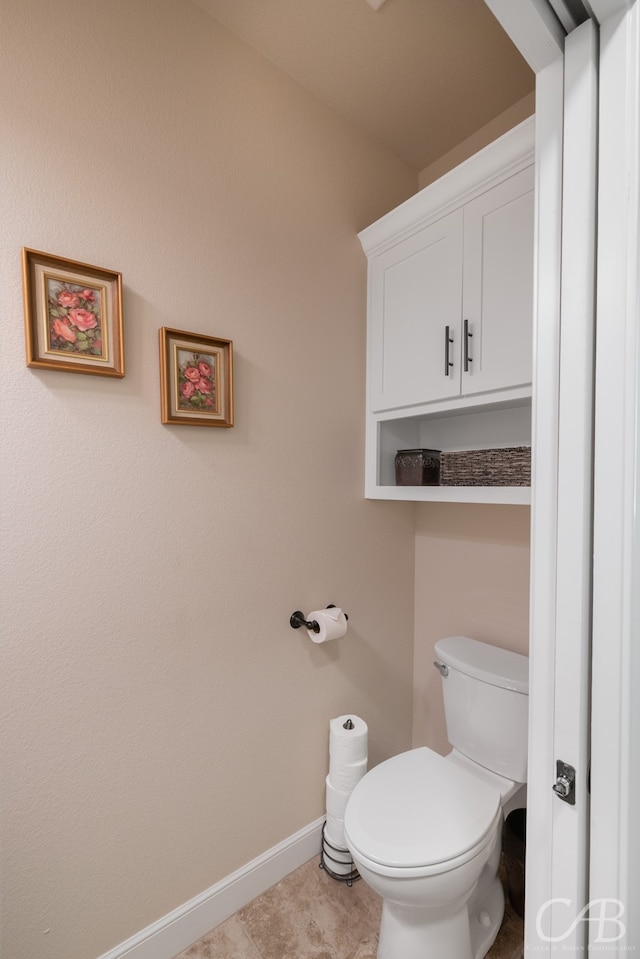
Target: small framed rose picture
(72,315)
(196,379)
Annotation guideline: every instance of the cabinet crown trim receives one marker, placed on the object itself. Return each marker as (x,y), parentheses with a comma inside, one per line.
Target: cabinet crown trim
(508,154)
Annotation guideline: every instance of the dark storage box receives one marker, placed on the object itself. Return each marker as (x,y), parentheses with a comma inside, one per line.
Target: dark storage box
(495,467)
(418,468)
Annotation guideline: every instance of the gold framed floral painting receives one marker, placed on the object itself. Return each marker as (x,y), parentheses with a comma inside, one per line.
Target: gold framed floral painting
(72,315)
(196,379)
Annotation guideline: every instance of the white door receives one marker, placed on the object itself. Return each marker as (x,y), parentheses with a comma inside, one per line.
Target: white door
(615,832)
(555,867)
(416,296)
(497,297)
(570,821)
(562,504)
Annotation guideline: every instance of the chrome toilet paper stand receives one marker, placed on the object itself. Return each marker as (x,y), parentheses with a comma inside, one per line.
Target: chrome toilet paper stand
(327,848)
(328,861)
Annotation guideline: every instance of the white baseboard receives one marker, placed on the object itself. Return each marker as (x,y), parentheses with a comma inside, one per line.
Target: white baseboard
(177,930)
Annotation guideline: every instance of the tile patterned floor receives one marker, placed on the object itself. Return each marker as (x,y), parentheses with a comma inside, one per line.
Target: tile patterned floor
(308,915)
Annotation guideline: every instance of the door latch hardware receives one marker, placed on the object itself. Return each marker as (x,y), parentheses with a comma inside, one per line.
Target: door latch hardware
(565,785)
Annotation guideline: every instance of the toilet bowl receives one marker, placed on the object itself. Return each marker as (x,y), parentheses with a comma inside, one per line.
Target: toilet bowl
(422,845)
(424,830)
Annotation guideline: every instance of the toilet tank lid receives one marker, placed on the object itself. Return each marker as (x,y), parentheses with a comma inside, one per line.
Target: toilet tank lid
(491,664)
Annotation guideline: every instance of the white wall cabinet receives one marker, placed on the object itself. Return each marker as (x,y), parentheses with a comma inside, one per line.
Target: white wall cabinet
(450,306)
(415,295)
(497,301)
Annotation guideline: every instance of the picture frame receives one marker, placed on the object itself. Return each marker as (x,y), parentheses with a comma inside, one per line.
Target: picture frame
(72,315)
(196,379)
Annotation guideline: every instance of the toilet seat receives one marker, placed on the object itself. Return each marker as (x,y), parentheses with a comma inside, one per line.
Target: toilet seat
(419,811)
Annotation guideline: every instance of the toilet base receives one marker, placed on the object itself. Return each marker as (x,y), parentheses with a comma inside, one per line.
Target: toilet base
(485,917)
(405,935)
(408,932)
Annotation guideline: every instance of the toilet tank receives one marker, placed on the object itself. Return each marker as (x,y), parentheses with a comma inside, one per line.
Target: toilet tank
(486,703)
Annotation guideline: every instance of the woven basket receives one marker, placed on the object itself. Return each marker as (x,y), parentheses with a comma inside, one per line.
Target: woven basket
(494,467)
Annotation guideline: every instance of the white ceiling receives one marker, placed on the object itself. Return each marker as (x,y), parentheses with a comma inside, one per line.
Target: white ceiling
(418,75)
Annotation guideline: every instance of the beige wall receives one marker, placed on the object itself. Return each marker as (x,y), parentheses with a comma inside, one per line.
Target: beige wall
(162,724)
(472,579)
(481,138)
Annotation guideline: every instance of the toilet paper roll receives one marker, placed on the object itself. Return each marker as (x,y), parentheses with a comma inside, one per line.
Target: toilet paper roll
(348,743)
(334,833)
(332,623)
(336,800)
(346,776)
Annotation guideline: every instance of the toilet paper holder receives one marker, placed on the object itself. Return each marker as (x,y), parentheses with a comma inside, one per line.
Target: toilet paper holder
(337,862)
(296,620)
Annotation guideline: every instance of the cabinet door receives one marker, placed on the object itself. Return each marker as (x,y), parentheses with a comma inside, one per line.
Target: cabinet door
(498,285)
(415,293)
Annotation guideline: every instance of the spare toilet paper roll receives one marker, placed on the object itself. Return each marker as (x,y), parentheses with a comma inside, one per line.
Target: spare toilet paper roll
(335,857)
(332,623)
(336,800)
(334,834)
(348,742)
(346,776)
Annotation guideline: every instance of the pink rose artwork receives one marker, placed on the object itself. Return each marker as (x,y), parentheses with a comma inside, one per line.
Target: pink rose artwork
(196,382)
(64,331)
(65,298)
(82,319)
(75,319)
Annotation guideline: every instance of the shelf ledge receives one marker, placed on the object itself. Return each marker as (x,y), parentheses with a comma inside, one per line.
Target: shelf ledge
(509,495)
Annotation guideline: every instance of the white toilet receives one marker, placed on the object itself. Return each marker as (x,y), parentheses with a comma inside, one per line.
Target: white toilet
(425,830)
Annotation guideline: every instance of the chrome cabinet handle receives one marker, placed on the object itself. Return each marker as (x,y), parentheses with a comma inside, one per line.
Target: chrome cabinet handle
(448,339)
(467,336)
